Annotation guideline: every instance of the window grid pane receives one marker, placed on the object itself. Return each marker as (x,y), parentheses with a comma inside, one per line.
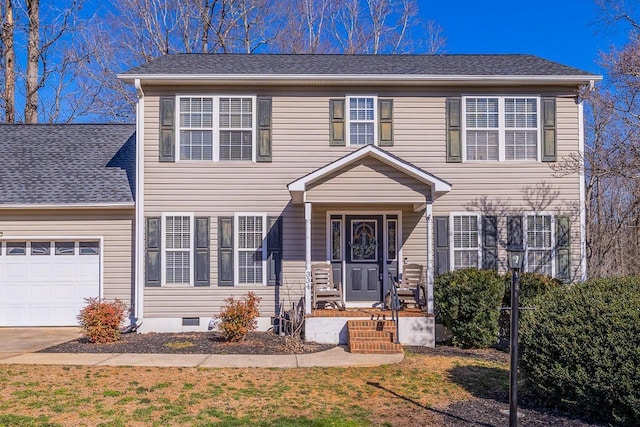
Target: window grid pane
(236,128)
(196,145)
(465,242)
(482,145)
(196,128)
(465,259)
(361,121)
(235,145)
(178,249)
(250,237)
(539,244)
(521,123)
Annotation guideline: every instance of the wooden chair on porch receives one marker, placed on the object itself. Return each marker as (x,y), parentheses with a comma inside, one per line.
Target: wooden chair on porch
(411,287)
(325,291)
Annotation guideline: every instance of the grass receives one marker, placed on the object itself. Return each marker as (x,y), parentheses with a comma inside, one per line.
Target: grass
(396,395)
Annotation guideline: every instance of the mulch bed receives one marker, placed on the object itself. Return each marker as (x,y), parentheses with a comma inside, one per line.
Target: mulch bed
(192,343)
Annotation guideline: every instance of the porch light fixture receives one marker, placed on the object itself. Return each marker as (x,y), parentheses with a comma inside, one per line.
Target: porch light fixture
(515,260)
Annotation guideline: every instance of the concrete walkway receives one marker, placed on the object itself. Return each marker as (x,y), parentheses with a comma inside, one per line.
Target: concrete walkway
(335,357)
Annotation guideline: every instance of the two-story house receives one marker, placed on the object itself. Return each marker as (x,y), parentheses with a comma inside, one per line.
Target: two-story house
(252,168)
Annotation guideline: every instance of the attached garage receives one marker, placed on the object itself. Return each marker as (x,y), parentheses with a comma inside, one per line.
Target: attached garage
(67,214)
(45,282)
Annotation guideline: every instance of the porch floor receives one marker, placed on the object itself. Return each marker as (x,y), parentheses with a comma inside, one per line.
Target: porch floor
(374,313)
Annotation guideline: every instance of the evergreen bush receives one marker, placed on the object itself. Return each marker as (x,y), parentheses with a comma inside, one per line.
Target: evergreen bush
(467,303)
(580,350)
(532,286)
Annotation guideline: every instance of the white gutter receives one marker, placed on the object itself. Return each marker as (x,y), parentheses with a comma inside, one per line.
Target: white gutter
(381,78)
(69,206)
(139,247)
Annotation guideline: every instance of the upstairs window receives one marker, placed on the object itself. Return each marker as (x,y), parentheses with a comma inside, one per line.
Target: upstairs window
(216,128)
(501,128)
(236,128)
(361,120)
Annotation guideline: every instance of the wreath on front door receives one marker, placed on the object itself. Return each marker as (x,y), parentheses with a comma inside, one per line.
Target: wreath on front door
(364,243)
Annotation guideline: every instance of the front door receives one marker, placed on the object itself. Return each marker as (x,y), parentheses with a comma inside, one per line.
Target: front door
(364,258)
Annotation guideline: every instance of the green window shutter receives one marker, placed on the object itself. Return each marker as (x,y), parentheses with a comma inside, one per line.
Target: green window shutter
(515,233)
(167,129)
(337,122)
(202,254)
(549,137)
(274,250)
(563,248)
(442,244)
(490,242)
(385,122)
(454,136)
(263,144)
(225,251)
(152,263)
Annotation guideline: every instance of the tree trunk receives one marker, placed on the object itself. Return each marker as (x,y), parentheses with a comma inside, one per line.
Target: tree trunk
(33,53)
(9,63)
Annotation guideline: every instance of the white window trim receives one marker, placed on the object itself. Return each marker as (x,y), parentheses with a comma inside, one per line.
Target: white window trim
(525,238)
(215,125)
(452,249)
(348,118)
(501,126)
(163,240)
(236,264)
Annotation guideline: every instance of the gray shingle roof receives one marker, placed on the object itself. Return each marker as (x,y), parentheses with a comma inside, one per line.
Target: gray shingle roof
(275,64)
(57,164)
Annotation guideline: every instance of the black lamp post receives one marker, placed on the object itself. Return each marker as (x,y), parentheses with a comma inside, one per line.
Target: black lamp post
(516,261)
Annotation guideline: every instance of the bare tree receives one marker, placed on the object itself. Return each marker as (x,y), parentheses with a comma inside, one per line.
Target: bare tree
(33,55)
(9,56)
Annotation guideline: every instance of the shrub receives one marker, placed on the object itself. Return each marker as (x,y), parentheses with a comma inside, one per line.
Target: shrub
(580,350)
(467,303)
(238,317)
(532,286)
(100,320)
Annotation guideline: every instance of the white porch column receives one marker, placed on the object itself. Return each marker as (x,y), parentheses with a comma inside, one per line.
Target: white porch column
(307,258)
(430,257)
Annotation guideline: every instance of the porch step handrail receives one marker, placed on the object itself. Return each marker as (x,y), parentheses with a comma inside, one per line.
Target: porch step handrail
(395,306)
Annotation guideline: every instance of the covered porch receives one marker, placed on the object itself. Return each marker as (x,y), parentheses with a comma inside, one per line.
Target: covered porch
(367,215)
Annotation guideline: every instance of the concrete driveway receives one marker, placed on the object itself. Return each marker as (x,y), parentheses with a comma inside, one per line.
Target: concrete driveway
(27,340)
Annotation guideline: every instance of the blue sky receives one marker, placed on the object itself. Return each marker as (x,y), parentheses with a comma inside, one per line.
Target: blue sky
(560,30)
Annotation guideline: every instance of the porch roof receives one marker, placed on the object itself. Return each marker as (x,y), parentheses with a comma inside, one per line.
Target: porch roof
(431,184)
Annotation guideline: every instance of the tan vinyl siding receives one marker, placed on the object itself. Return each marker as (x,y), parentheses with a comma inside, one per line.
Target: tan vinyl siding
(300,144)
(368,180)
(114,226)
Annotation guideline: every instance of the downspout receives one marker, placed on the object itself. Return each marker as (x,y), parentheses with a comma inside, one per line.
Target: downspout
(138,314)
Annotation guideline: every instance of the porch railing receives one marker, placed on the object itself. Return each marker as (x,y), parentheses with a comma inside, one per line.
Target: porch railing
(394,306)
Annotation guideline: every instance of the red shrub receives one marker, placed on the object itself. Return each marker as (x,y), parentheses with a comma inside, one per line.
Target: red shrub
(238,317)
(100,320)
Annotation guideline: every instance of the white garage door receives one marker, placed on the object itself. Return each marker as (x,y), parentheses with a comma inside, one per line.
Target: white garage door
(44,283)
